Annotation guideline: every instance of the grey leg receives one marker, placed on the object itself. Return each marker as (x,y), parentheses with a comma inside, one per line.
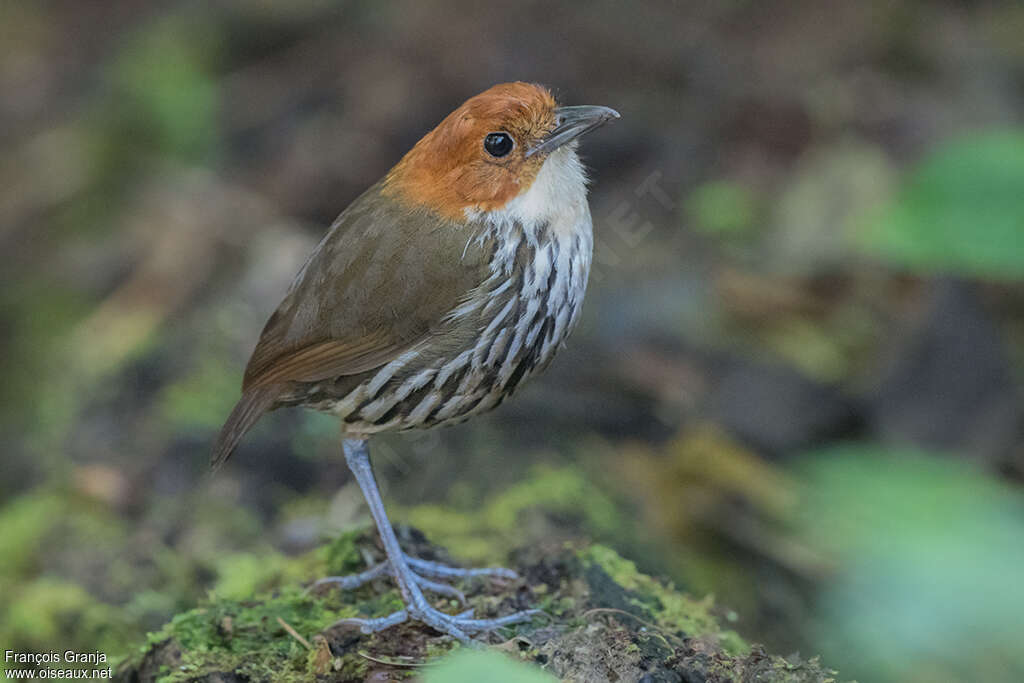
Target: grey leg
(409,584)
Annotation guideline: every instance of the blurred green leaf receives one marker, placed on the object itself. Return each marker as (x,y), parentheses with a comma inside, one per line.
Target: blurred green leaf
(721,207)
(928,554)
(166,95)
(817,209)
(25,521)
(472,666)
(961,211)
(202,398)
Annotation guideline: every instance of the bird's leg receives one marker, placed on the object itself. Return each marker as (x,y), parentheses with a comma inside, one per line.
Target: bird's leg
(410,584)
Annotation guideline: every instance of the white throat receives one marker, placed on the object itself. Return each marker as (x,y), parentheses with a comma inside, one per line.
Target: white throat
(557,199)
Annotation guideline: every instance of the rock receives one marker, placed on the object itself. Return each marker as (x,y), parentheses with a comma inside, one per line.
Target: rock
(779,411)
(603,620)
(949,385)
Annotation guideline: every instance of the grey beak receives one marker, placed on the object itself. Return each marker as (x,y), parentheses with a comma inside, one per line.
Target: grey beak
(573,122)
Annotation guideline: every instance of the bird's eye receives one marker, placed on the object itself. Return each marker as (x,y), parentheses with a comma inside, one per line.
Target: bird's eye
(498,144)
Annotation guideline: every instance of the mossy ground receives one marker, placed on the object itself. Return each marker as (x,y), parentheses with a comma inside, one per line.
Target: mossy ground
(603,620)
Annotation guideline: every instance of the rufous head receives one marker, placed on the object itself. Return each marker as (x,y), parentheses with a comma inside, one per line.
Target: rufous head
(489,150)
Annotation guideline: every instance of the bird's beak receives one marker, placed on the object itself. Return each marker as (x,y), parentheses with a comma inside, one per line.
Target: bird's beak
(573,122)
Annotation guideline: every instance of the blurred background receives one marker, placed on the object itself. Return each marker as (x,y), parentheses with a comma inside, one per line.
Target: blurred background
(797,384)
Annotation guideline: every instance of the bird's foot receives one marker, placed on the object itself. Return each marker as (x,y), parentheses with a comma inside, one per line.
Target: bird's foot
(419,571)
(410,573)
(459,626)
(415,572)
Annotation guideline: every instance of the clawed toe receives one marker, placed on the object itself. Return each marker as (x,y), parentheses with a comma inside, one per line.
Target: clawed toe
(440,588)
(353,581)
(411,576)
(460,626)
(420,570)
(443,571)
(372,625)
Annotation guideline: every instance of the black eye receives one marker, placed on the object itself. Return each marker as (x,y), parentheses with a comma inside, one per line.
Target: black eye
(498,144)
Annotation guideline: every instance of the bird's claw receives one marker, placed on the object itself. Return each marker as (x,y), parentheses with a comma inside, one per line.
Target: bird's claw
(459,626)
(420,569)
(443,571)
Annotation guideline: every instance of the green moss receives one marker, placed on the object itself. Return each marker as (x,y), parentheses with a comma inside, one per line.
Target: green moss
(25,522)
(459,532)
(558,489)
(239,628)
(441,648)
(43,523)
(49,611)
(583,635)
(622,571)
(343,556)
(248,638)
(48,529)
(764,668)
(674,611)
(488,533)
(241,575)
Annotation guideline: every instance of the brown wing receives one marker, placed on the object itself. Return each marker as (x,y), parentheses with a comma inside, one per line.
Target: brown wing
(380,282)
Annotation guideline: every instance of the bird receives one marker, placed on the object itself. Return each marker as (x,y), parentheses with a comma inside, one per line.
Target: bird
(430,299)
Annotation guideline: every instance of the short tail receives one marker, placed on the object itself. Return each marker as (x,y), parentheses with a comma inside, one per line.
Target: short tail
(254,402)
